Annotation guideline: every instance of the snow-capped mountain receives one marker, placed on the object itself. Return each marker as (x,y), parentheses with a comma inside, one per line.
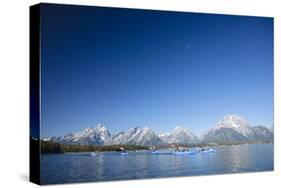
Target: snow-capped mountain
(181,135)
(90,136)
(136,136)
(233,128)
(235,122)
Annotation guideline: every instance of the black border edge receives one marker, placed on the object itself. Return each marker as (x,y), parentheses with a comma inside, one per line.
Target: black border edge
(34,94)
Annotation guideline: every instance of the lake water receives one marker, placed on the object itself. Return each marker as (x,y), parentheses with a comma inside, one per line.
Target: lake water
(81,167)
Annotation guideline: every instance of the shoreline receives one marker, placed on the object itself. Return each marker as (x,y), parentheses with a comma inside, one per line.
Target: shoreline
(162,148)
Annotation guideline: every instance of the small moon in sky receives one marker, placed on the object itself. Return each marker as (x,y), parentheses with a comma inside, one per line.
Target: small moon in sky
(188,46)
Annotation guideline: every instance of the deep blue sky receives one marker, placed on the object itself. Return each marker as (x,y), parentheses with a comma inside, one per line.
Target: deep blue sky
(127,68)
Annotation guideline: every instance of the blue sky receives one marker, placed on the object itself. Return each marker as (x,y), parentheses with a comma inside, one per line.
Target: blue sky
(127,68)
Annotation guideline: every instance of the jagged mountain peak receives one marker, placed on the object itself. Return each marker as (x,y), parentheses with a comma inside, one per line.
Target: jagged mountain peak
(232,117)
(232,120)
(238,123)
(100,126)
(133,130)
(136,128)
(233,128)
(180,135)
(97,135)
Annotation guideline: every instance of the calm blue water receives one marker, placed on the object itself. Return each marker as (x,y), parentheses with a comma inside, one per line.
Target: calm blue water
(81,167)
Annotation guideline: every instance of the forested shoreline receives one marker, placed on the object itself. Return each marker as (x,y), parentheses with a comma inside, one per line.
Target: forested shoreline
(50,147)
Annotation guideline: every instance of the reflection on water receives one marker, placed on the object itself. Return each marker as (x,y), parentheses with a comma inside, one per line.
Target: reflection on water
(81,167)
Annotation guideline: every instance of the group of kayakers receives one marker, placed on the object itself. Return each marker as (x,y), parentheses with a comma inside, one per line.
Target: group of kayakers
(178,150)
(181,150)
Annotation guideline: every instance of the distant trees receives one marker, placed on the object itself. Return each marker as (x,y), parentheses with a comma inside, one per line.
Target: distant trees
(49,147)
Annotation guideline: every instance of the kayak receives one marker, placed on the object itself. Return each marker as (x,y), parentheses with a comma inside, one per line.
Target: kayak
(155,152)
(208,151)
(124,153)
(183,152)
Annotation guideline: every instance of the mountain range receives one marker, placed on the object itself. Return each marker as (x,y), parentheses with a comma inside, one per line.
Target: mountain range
(231,129)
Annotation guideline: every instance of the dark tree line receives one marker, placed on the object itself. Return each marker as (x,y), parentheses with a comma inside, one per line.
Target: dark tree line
(49,147)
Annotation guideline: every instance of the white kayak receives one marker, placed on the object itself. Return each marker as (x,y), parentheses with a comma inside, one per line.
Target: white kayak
(210,150)
(183,152)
